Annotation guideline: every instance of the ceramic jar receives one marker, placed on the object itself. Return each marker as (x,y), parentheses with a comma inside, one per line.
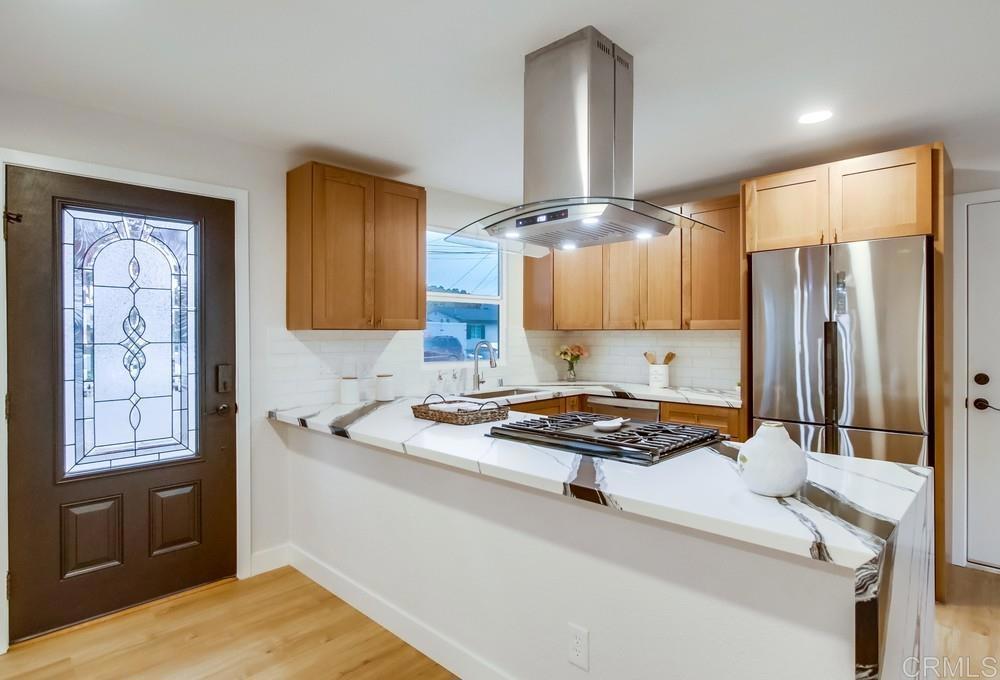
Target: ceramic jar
(770,463)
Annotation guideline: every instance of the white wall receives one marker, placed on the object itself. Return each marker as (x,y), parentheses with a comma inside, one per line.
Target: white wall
(485,577)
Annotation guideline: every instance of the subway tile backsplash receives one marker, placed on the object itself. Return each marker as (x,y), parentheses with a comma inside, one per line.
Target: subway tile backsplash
(704,358)
(304,367)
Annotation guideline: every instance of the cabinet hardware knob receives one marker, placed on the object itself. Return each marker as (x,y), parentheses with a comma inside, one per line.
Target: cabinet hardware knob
(981,379)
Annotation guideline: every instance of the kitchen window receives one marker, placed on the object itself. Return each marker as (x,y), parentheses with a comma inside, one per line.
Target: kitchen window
(464,297)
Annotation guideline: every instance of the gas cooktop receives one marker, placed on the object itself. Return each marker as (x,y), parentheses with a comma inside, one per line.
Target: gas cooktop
(638,441)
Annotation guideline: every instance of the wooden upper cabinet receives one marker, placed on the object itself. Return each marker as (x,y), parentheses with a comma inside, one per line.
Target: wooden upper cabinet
(538,293)
(621,284)
(400,255)
(713,265)
(355,251)
(662,282)
(578,288)
(787,209)
(882,195)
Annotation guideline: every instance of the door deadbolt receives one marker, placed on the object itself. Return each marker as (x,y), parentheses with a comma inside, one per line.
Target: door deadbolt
(981,379)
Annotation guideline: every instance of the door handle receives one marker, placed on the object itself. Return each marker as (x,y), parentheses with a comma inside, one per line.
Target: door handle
(981,404)
(222,409)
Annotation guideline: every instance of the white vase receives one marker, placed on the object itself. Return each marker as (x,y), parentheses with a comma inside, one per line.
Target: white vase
(771,464)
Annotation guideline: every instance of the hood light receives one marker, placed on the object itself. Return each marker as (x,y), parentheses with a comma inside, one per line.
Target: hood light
(590,221)
(569,245)
(643,235)
(511,233)
(815,117)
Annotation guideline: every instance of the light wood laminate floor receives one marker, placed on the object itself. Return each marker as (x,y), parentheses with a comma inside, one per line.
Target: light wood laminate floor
(276,625)
(282,625)
(969,624)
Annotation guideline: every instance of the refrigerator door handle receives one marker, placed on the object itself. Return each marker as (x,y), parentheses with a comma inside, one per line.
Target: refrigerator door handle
(830,359)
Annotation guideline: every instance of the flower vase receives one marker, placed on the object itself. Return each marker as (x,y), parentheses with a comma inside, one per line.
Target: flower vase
(571,373)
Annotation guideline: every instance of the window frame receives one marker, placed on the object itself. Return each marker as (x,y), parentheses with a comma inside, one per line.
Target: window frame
(499,300)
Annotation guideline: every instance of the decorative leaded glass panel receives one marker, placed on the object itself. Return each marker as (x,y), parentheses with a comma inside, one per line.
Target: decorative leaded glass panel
(129,311)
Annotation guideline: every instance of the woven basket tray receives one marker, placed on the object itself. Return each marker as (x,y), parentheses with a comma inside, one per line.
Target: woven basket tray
(477,413)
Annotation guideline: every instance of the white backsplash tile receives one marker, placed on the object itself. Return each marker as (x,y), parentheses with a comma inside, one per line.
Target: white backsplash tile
(704,358)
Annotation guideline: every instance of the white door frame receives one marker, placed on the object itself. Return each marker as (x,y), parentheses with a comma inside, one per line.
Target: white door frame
(960,372)
(241,198)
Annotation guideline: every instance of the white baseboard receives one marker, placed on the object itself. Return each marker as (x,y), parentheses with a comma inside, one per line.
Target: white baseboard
(444,650)
(270,558)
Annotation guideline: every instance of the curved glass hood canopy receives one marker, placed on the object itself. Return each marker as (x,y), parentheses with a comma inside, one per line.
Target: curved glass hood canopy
(537,228)
(577,143)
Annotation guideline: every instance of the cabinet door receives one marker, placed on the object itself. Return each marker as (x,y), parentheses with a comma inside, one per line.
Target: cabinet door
(342,260)
(661,282)
(725,420)
(538,293)
(578,288)
(712,265)
(400,255)
(621,284)
(545,407)
(881,196)
(788,209)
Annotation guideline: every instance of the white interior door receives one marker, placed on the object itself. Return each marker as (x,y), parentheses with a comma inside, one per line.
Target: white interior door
(984,360)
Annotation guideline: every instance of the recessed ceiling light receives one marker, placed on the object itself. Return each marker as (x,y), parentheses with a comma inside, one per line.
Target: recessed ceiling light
(643,235)
(512,233)
(569,245)
(590,220)
(815,117)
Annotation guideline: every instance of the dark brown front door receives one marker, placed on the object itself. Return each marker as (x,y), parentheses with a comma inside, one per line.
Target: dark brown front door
(121,348)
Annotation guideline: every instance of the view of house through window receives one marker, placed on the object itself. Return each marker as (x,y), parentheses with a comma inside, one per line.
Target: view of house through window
(463,297)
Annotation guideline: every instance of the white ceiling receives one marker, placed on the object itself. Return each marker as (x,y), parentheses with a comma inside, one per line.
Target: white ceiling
(431,91)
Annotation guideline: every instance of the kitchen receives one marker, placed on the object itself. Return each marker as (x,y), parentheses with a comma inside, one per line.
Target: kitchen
(450,418)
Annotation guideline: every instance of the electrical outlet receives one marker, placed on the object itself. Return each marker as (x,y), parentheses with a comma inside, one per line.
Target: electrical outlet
(579,646)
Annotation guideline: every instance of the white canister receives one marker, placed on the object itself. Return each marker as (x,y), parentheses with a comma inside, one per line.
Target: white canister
(659,375)
(384,389)
(349,392)
(771,463)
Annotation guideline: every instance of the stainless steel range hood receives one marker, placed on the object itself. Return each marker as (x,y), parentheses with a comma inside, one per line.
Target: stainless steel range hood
(578,188)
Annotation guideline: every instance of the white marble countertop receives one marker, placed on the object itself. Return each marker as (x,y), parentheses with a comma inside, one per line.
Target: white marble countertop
(838,517)
(682,395)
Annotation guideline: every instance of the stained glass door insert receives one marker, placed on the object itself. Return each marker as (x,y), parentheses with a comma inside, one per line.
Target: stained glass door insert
(129,328)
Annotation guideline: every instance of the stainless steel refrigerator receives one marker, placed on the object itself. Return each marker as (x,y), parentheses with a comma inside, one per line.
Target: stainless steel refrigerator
(840,346)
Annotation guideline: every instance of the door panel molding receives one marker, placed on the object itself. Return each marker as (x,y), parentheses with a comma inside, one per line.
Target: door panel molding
(240,198)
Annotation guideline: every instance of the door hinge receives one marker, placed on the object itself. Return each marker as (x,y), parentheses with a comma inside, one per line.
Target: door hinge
(6,406)
(8,585)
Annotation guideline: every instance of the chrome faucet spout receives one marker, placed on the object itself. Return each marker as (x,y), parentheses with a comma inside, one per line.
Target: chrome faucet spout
(477,377)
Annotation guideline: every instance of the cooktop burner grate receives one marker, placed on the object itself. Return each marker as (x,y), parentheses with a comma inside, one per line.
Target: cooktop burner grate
(639,442)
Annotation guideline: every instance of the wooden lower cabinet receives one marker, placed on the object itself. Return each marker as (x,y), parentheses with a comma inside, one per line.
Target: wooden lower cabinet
(543,407)
(726,420)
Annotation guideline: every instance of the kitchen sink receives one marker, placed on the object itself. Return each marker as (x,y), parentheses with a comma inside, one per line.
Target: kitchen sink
(499,393)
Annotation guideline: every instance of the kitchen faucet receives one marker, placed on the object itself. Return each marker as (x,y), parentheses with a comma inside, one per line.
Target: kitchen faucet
(477,378)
